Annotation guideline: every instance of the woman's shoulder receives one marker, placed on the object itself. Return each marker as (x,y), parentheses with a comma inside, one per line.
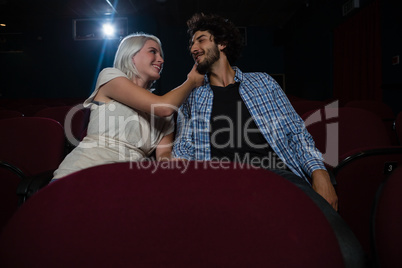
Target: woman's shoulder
(111,72)
(104,76)
(108,74)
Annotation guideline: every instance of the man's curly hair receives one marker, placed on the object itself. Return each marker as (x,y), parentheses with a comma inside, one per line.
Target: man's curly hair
(223,31)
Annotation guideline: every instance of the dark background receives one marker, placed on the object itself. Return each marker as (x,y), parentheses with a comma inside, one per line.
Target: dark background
(39,57)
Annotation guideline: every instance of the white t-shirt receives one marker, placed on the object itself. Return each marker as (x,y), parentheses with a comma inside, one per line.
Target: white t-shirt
(115,133)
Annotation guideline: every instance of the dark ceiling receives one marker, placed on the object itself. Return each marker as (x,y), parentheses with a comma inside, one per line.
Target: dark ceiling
(243,12)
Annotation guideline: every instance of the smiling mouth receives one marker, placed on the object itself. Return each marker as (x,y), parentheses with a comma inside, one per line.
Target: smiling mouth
(196,57)
(157,67)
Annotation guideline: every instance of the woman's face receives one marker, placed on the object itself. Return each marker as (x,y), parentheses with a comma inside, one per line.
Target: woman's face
(149,61)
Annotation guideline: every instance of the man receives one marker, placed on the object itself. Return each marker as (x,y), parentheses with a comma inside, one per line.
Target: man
(240,116)
(215,44)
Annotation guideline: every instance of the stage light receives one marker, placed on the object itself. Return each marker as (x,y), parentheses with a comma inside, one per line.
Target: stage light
(108,30)
(99,28)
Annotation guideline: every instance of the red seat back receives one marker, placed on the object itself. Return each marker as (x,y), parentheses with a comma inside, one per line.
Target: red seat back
(34,145)
(388,222)
(337,131)
(304,106)
(31,109)
(5,113)
(30,145)
(201,215)
(74,119)
(398,127)
(358,178)
(379,108)
(8,193)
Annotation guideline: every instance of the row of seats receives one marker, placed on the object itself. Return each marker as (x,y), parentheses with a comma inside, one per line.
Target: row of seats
(122,215)
(192,215)
(305,108)
(358,179)
(34,144)
(365,160)
(393,124)
(16,103)
(29,107)
(72,118)
(360,155)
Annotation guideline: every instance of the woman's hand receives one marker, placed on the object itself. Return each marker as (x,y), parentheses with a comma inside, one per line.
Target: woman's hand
(195,77)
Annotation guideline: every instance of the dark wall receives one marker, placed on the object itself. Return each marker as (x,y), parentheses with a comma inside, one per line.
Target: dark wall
(308,40)
(308,50)
(53,65)
(391,30)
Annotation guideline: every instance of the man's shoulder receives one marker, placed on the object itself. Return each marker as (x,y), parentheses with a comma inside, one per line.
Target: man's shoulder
(255,76)
(248,75)
(200,91)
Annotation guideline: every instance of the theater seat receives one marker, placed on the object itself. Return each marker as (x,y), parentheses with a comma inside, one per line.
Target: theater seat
(358,177)
(31,109)
(398,127)
(338,131)
(379,108)
(31,149)
(387,222)
(304,106)
(34,145)
(74,120)
(10,178)
(5,113)
(201,215)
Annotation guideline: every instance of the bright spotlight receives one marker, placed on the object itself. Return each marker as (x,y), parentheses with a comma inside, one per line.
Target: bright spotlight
(108,30)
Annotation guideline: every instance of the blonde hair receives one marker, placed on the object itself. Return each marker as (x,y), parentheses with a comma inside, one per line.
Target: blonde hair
(129,46)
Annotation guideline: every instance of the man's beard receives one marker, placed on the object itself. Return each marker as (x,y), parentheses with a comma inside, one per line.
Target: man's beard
(210,58)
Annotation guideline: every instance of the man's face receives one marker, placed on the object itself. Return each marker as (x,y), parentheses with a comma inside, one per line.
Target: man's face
(204,50)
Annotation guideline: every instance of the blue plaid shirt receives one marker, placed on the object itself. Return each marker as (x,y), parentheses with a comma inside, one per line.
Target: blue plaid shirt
(272,112)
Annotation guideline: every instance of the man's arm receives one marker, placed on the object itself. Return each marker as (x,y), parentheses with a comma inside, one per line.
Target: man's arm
(321,183)
(308,156)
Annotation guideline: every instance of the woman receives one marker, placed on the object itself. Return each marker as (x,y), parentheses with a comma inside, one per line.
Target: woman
(127,121)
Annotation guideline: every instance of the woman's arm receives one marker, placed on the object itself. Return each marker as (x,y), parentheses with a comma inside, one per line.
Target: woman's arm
(164,148)
(125,91)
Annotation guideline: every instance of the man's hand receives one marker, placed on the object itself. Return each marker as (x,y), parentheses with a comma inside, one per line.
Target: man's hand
(323,186)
